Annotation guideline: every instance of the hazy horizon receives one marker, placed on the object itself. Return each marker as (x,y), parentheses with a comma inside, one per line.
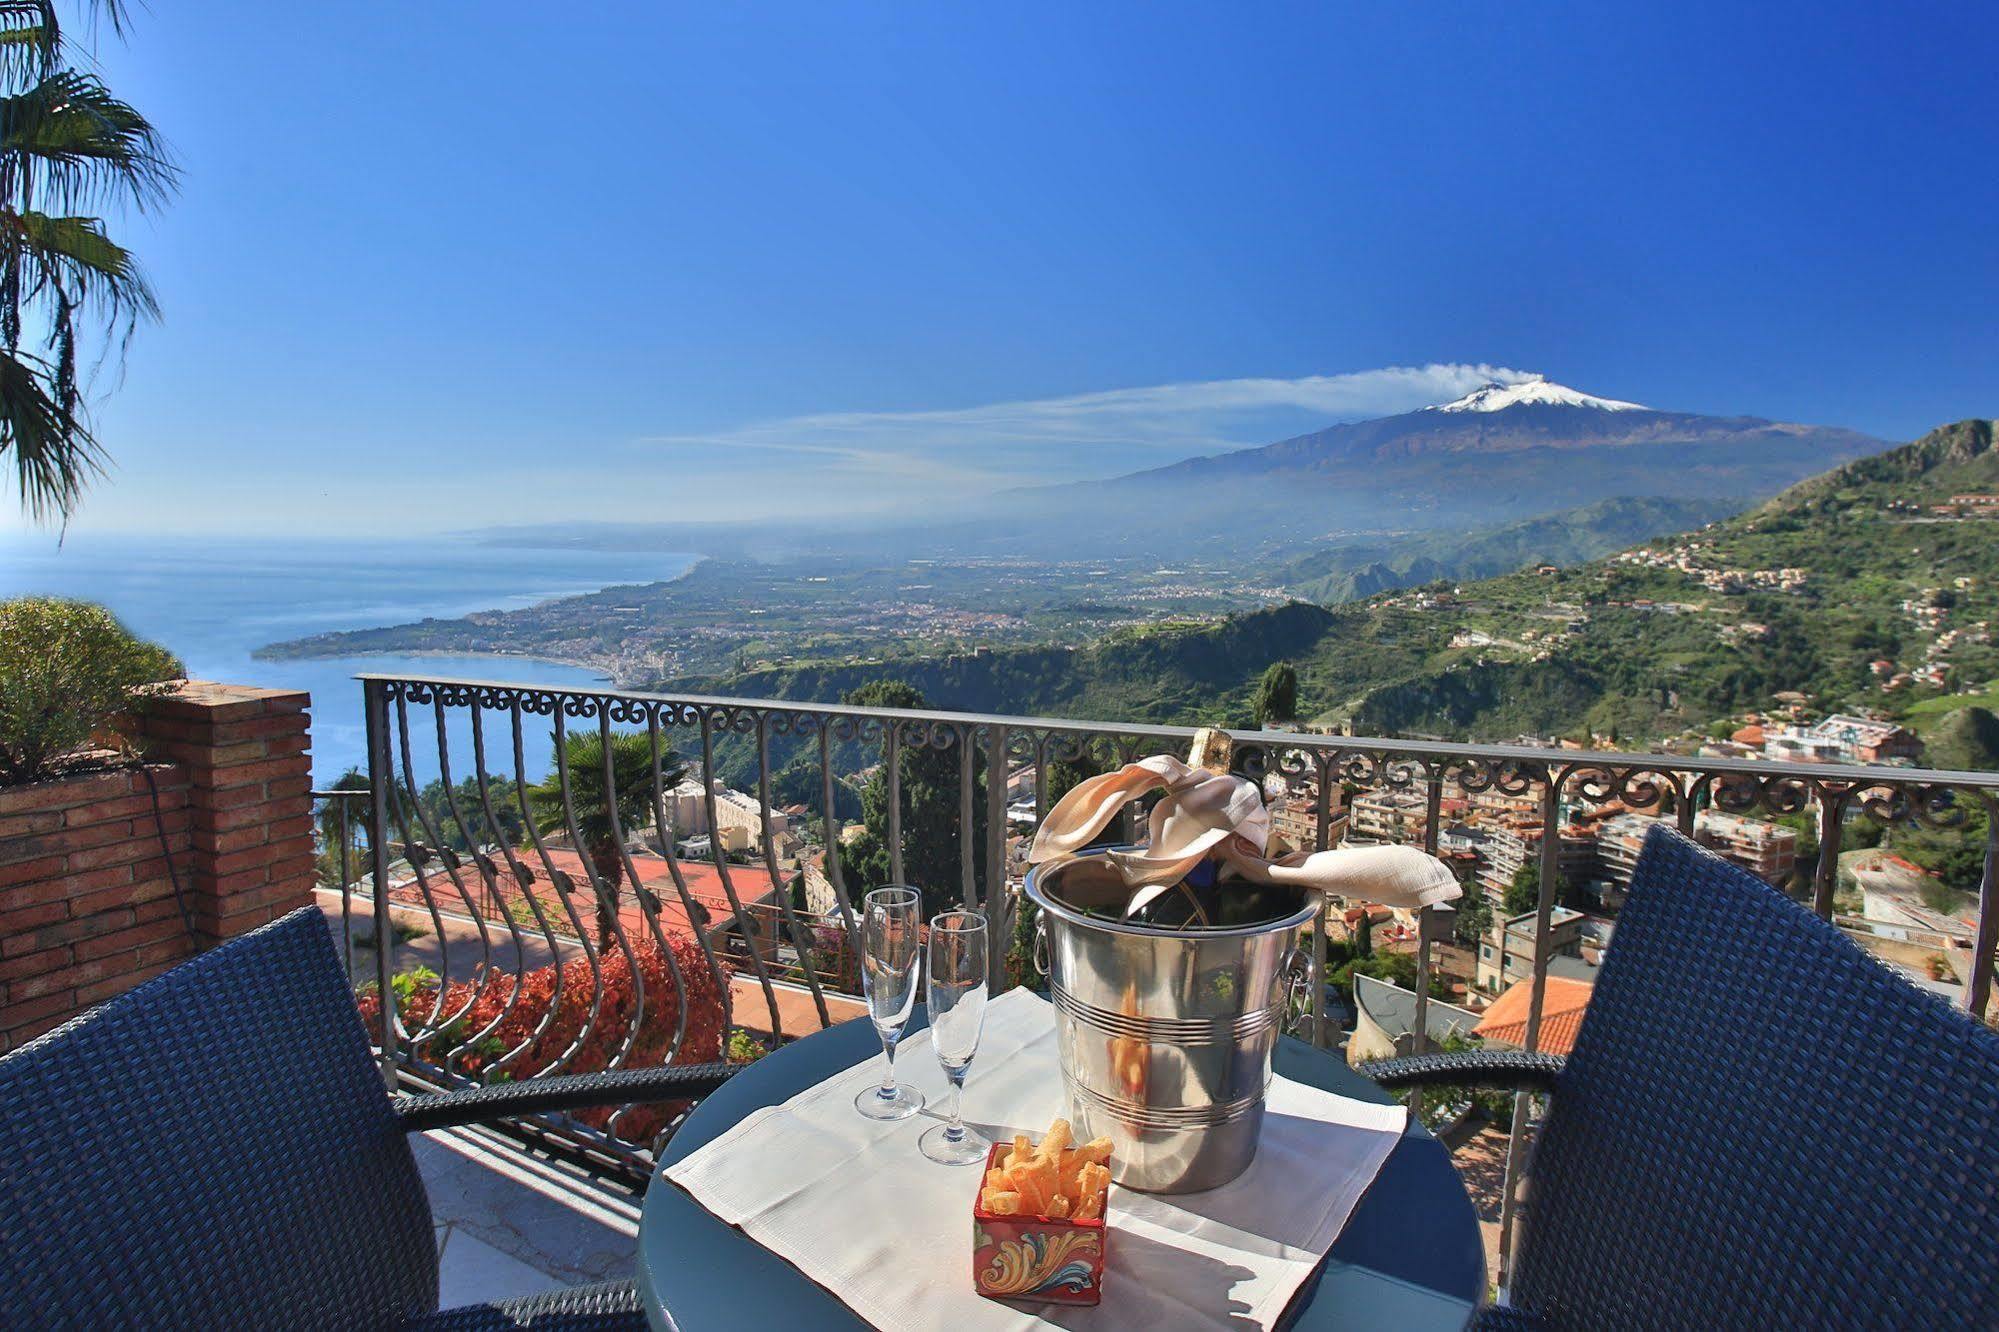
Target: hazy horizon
(861,260)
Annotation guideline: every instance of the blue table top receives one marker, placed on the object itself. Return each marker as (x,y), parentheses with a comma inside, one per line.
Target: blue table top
(1409,1257)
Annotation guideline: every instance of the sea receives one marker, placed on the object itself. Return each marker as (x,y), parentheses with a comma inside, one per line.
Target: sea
(214,602)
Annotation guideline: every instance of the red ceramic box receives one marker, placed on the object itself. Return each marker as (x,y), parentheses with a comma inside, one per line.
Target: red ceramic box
(1042,1259)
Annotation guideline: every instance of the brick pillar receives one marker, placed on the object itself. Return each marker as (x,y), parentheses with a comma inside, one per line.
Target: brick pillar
(87,901)
(250,798)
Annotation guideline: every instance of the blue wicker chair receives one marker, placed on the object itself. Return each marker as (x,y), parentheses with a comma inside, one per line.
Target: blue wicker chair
(1760,1126)
(215,1149)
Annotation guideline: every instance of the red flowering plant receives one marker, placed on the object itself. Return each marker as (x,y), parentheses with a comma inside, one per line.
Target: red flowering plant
(475,1006)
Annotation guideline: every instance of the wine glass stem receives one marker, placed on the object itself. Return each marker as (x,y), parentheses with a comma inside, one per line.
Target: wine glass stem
(956,1132)
(889,1040)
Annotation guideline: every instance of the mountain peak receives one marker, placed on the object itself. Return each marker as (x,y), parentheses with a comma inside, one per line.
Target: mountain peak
(1496,397)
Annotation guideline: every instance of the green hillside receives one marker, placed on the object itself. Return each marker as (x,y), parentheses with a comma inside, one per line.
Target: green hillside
(1330,574)
(1807,592)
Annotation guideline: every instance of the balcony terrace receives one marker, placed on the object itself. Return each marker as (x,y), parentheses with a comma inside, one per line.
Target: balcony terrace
(547,924)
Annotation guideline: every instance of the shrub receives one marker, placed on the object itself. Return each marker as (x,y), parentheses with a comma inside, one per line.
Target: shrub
(487,1059)
(68,671)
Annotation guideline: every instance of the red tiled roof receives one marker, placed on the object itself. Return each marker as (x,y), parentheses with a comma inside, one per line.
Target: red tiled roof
(704,885)
(1561,1015)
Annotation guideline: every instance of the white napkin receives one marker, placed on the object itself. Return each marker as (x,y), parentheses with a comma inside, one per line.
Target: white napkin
(851,1202)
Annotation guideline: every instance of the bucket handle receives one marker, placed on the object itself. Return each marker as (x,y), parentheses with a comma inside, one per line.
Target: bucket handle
(1297,977)
(1041,942)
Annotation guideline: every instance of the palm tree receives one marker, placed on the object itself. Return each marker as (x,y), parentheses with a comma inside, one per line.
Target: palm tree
(635,773)
(67,148)
(342,862)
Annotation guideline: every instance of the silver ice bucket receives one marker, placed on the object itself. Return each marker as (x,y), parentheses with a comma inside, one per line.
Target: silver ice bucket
(1165,1034)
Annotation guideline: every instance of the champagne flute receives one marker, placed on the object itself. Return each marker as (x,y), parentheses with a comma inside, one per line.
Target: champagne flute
(957,1012)
(891,948)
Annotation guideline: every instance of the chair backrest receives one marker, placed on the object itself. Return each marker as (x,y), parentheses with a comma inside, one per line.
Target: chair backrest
(213,1148)
(1761,1126)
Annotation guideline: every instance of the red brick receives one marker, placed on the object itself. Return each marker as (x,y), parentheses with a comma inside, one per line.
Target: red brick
(271,853)
(119,853)
(21,1013)
(29,871)
(64,841)
(163,729)
(288,892)
(123,809)
(20,1036)
(128,939)
(28,918)
(289,788)
(245,774)
(59,932)
(174,949)
(240,839)
(229,885)
(235,755)
(280,745)
(240,816)
(69,978)
(27,825)
(260,728)
(65,792)
(87,995)
(35,964)
(150,888)
(160,908)
(235,797)
(55,888)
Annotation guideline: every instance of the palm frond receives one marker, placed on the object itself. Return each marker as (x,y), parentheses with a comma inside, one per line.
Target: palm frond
(83,144)
(53,452)
(72,258)
(30,38)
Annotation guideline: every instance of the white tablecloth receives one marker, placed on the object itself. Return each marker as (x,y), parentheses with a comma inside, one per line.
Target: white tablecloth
(853,1204)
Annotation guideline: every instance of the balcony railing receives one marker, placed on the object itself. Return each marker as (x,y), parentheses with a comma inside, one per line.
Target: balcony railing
(482,853)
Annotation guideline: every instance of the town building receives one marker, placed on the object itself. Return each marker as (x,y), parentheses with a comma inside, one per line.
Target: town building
(1512,842)
(1767,850)
(1506,957)
(1389,815)
(1844,739)
(740,820)
(1294,816)
(1385,1021)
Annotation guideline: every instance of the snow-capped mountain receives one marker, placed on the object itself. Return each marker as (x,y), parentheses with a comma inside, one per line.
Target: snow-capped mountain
(1497,397)
(1501,453)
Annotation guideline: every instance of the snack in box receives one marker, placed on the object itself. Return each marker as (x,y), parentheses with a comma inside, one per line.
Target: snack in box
(1038,1230)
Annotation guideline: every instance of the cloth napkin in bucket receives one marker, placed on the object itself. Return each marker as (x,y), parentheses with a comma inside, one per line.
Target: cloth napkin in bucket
(850,1201)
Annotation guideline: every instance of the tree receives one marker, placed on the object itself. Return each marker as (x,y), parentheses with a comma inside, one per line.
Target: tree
(1524,893)
(1276,694)
(341,861)
(66,146)
(597,814)
(1363,935)
(932,835)
(1474,916)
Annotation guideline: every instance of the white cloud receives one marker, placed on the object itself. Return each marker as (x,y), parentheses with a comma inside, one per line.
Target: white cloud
(910,454)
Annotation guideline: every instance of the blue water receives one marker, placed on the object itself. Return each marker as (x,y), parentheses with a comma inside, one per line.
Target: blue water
(214,602)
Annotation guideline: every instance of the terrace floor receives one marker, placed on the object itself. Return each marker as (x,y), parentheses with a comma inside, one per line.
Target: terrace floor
(510,1223)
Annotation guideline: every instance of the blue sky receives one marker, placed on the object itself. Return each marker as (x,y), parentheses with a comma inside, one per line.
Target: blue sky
(437,265)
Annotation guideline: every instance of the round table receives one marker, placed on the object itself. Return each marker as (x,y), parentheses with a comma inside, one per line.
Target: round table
(1409,1257)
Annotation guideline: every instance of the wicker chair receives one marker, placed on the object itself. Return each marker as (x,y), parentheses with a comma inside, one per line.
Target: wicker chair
(215,1149)
(1759,1126)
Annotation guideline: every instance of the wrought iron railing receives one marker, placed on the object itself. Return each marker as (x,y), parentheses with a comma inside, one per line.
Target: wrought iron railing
(566,929)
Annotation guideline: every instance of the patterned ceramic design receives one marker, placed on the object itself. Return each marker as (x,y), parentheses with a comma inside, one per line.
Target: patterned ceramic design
(1033,1258)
